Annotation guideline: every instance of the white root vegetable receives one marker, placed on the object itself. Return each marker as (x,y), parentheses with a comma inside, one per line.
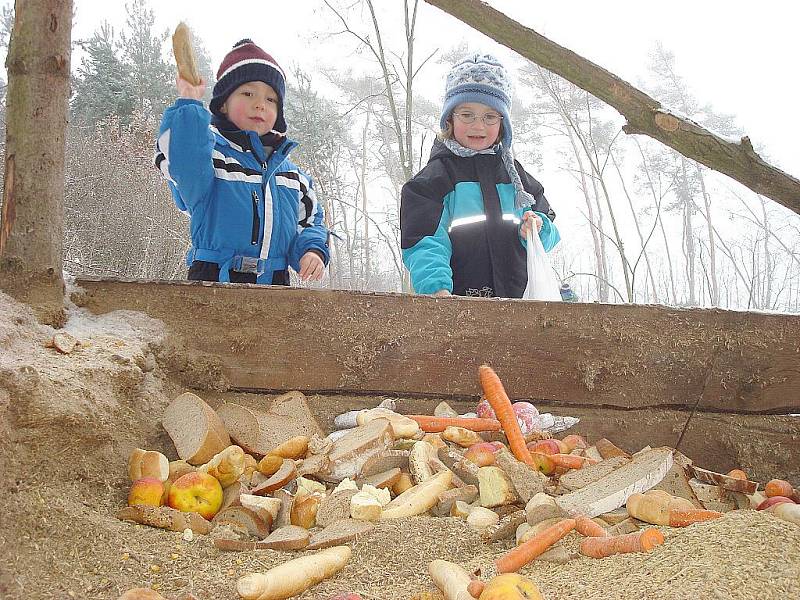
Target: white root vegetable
(419,498)
(295,576)
(451,579)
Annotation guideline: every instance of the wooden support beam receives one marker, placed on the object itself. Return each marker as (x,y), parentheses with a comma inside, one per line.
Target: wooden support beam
(645,115)
(626,356)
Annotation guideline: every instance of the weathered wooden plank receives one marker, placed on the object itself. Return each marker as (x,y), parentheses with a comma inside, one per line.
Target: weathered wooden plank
(628,356)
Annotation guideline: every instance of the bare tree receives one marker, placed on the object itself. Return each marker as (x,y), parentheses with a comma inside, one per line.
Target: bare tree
(31,224)
(395,129)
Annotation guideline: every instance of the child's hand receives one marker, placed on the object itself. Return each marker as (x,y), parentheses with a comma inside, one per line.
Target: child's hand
(528,219)
(311,267)
(187,90)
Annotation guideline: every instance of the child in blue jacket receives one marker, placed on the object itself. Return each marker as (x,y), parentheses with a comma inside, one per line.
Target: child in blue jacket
(253,212)
(465,216)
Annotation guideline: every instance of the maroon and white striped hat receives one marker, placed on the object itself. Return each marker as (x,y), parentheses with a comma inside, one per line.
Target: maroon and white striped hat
(247,62)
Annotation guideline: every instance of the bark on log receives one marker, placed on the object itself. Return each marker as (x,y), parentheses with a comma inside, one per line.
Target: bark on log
(272,338)
(644,114)
(31,231)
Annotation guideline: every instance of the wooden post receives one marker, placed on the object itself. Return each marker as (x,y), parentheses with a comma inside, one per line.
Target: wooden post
(31,222)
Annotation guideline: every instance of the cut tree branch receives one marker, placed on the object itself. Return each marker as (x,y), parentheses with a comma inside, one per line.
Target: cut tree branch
(644,114)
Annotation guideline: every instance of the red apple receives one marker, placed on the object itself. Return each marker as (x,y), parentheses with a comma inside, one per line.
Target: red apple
(147,490)
(346,596)
(480,455)
(545,447)
(196,492)
(773,501)
(492,447)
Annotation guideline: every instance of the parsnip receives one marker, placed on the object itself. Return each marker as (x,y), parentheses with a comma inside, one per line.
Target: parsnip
(419,498)
(451,579)
(293,577)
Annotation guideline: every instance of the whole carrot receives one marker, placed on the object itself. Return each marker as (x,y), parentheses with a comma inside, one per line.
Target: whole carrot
(682,518)
(641,541)
(430,424)
(498,399)
(520,556)
(585,526)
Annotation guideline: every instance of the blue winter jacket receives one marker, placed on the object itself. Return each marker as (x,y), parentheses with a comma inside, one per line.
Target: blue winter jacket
(249,213)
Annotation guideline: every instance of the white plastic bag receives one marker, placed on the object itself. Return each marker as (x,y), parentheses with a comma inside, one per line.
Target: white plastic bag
(542,282)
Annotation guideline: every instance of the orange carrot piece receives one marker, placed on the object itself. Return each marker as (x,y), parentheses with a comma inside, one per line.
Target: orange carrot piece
(498,399)
(778,487)
(568,461)
(585,526)
(641,541)
(515,559)
(430,424)
(682,518)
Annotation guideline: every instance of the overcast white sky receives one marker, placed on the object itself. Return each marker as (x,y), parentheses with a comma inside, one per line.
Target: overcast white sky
(714,42)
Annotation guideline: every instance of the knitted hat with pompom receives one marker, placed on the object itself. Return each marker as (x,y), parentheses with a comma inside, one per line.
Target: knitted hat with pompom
(479,78)
(247,62)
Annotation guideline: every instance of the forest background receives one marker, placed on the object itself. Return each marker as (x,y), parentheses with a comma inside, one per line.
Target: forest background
(640,223)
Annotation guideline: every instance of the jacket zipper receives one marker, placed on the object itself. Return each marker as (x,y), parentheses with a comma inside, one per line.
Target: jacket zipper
(256,221)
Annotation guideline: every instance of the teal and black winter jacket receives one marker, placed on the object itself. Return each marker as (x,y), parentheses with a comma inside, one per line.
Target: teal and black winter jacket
(253,213)
(460,230)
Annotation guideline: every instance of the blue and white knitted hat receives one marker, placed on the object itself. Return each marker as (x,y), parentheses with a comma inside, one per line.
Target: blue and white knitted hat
(479,78)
